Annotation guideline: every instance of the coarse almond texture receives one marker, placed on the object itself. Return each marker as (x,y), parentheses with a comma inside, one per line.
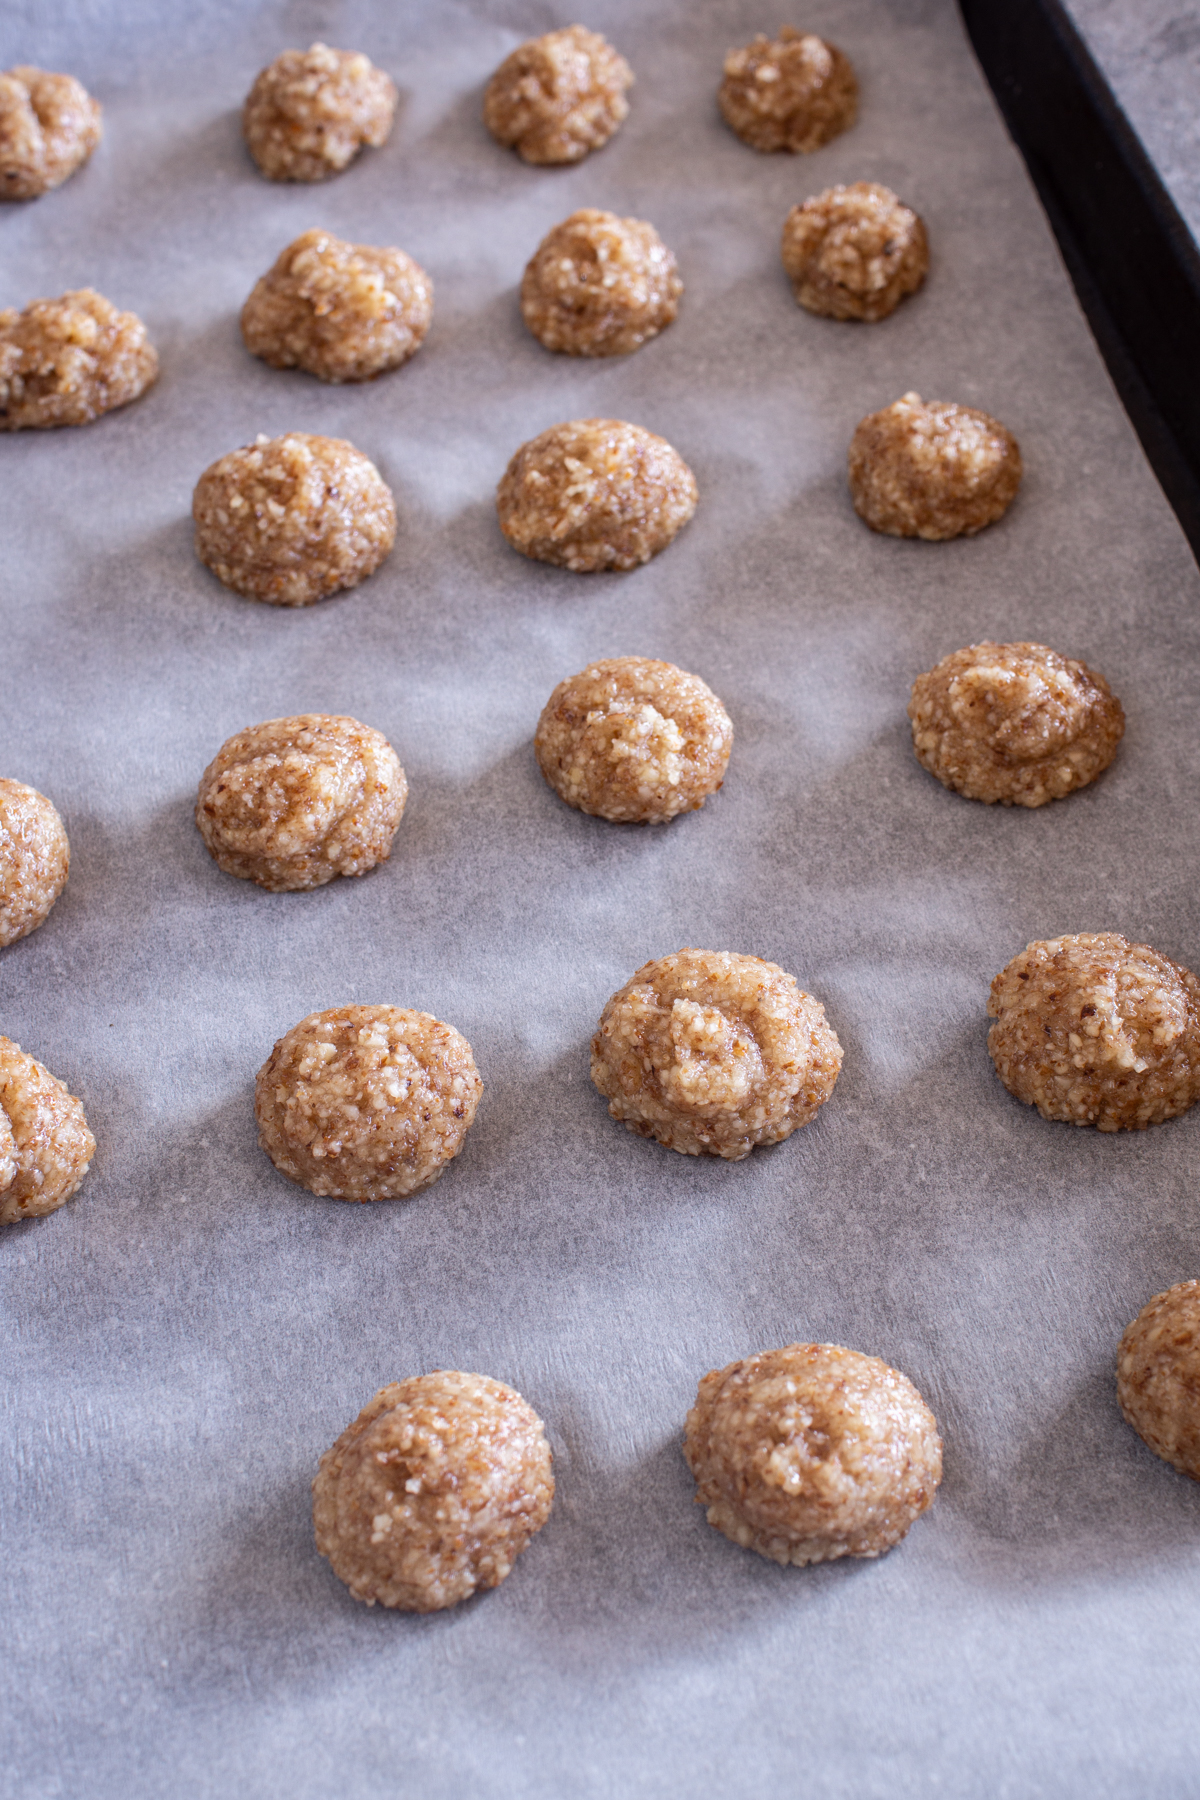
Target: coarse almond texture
(45,1144)
(595,494)
(49,126)
(712,1053)
(366,1102)
(1158,1376)
(558,96)
(311,111)
(854,252)
(66,361)
(293,802)
(34,859)
(1014,723)
(344,312)
(633,739)
(812,1452)
(932,469)
(433,1492)
(1095,1030)
(793,93)
(599,285)
(290,520)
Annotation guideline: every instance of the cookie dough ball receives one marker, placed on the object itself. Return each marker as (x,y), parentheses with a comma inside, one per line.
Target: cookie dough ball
(1095,1030)
(931,469)
(433,1492)
(294,802)
(634,739)
(595,494)
(1158,1376)
(854,252)
(1015,723)
(600,285)
(558,96)
(66,361)
(310,112)
(49,126)
(34,859)
(812,1452)
(366,1102)
(293,519)
(712,1053)
(344,312)
(791,94)
(45,1145)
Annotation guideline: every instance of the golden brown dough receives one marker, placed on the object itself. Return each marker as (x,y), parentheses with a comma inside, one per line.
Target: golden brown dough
(854,252)
(66,361)
(49,126)
(559,96)
(599,285)
(311,111)
(931,469)
(45,1145)
(343,312)
(1158,1376)
(34,859)
(794,93)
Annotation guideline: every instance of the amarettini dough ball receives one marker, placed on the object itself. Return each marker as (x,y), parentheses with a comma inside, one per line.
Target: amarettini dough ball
(1015,723)
(712,1053)
(600,285)
(633,739)
(49,126)
(294,802)
(854,252)
(433,1492)
(812,1452)
(66,361)
(293,519)
(1158,1376)
(311,111)
(45,1145)
(931,469)
(366,1102)
(344,312)
(595,494)
(559,96)
(34,859)
(1095,1030)
(795,93)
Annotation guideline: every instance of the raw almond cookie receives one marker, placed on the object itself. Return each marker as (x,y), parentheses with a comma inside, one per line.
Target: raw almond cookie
(854,252)
(343,312)
(557,97)
(67,361)
(49,126)
(311,111)
(932,469)
(34,859)
(45,1145)
(794,92)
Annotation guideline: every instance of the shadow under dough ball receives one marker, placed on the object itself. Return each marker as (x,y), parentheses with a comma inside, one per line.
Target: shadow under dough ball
(293,519)
(1158,1376)
(1094,1030)
(932,469)
(49,126)
(599,285)
(34,860)
(343,312)
(67,361)
(366,1102)
(795,92)
(854,252)
(294,802)
(311,111)
(433,1492)
(558,97)
(45,1145)
(812,1452)
(1014,723)
(711,1053)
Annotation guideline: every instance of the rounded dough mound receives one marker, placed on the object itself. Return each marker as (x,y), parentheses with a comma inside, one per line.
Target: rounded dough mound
(599,285)
(931,469)
(712,1053)
(344,312)
(433,1492)
(66,361)
(34,859)
(49,126)
(854,252)
(795,93)
(812,1452)
(1158,1376)
(294,802)
(559,96)
(1094,1030)
(45,1144)
(1014,723)
(595,494)
(366,1102)
(311,111)
(290,520)
(633,739)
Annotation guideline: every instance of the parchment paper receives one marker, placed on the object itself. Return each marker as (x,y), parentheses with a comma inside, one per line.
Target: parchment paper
(186,1336)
